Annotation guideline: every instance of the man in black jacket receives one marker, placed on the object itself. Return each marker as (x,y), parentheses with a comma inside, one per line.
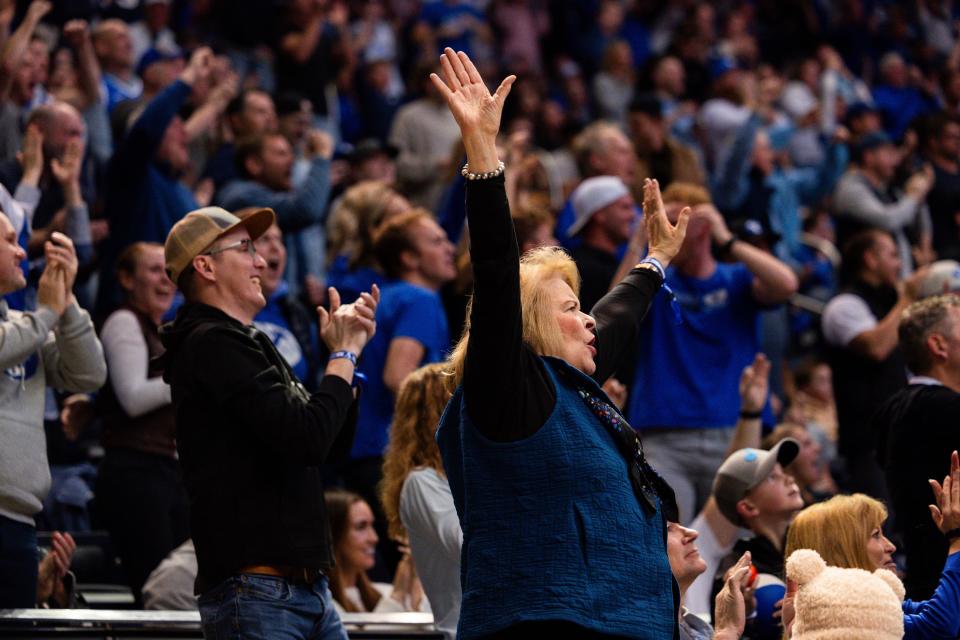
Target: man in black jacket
(251,438)
(918,429)
(860,330)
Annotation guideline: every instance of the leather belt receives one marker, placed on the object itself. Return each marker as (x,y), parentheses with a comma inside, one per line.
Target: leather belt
(296,575)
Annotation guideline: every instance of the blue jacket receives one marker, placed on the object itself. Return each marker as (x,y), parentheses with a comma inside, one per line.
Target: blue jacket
(938,617)
(144,198)
(901,105)
(552,528)
(789,189)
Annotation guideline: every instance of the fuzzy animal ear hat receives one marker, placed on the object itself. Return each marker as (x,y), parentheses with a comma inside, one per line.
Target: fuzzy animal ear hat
(844,604)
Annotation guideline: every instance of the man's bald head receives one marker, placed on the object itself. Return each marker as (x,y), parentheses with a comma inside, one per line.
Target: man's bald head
(59,123)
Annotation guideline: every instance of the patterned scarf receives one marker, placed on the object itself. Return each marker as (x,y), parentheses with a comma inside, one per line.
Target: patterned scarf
(647,483)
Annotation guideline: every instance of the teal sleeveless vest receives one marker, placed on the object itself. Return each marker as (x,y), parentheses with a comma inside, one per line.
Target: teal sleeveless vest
(552,529)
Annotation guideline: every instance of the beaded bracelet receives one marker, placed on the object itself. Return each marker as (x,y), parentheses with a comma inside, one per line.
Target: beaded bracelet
(465,172)
(656,264)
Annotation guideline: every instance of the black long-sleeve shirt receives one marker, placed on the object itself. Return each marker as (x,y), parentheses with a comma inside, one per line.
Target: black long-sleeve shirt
(508,393)
(917,427)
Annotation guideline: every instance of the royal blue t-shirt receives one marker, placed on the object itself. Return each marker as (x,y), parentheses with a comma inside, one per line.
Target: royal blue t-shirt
(350,283)
(687,375)
(456,22)
(405,311)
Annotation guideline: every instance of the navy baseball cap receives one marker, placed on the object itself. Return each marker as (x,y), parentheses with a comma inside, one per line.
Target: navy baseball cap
(155,54)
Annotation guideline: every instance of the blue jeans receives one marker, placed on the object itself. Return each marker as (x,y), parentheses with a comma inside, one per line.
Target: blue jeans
(18,565)
(262,607)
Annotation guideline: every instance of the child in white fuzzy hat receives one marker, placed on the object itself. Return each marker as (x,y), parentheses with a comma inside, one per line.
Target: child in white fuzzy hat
(849,604)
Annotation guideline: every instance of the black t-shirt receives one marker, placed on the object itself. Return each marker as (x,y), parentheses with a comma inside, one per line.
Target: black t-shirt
(311,77)
(944,202)
(860,383)
(597,268)
(919,428)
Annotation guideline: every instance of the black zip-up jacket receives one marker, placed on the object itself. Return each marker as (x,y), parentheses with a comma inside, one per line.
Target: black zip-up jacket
(918,431)
(251,441)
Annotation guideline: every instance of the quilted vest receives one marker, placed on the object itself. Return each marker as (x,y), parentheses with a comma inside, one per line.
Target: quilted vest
(552,529)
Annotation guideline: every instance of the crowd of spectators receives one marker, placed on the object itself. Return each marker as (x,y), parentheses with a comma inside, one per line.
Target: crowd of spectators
(816,143)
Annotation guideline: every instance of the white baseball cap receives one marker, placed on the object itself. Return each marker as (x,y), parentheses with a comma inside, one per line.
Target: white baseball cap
(944,277)
(592,195)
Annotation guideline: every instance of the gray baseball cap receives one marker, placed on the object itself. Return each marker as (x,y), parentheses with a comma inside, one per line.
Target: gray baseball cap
(744,470)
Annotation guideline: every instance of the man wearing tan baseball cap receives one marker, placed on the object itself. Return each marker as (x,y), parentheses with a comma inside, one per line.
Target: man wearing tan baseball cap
(193,235)
(251,439)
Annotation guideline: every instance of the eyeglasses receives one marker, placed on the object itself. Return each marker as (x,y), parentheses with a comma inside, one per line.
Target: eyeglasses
(245,245)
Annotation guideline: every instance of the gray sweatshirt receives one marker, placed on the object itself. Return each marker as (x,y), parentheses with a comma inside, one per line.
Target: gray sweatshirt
(855,197)
(38,349)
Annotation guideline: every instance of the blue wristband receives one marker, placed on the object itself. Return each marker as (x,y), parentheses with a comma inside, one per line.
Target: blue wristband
(358,379)
(674,305)
(348,355)
(656,264)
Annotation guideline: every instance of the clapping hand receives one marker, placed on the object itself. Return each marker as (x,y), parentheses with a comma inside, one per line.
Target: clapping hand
(54,567)
(67,171)
(61,254)
(731,602)
(754,384)
(30,155)
(349,327)
(55,288)
(946,511)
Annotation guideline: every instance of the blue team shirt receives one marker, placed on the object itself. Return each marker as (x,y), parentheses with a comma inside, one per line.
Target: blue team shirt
(457,21)
(405,311)
(687,375)
(271,321)
(350,283)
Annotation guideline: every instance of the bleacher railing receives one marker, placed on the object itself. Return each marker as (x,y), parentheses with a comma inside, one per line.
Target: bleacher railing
(102,623)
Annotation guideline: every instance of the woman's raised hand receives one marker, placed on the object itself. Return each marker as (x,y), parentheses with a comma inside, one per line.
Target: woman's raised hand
(476,111)
(664,238)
